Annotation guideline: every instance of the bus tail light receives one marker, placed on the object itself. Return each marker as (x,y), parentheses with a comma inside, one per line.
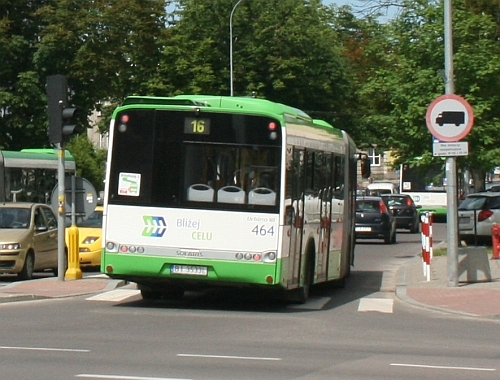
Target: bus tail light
(260,257)
(269,257)
(117,248)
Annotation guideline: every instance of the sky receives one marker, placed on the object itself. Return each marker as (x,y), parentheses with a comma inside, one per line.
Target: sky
(356,5)
(341,2)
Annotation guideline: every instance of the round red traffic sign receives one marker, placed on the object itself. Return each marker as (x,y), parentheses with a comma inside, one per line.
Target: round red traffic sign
(449,118)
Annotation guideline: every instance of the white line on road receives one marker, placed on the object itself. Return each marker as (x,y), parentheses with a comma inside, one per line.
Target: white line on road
(382,305)
(228,357)
(43,349)
(121,377)
(442,367)
(114,295)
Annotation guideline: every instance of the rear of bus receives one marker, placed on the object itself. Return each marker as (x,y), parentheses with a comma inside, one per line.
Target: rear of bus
(192,197)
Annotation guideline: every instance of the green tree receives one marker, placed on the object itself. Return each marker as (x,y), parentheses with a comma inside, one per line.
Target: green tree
(22,98)
(362,40)
(108,49)
(283,50)
(411,76)
(90,162)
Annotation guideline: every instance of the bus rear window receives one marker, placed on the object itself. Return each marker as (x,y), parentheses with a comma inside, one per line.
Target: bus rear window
(174,158)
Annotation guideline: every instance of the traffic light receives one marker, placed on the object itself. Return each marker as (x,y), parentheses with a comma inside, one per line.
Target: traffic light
(365,167)
(62,122)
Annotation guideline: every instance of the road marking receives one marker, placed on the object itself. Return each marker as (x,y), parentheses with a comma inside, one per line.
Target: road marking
(43,349)
(228,357)
(122,377)
(114,295)
(442,367)
(382,305)
(101,275)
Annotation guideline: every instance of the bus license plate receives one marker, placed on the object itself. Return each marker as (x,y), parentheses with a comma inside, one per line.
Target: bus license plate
(193,270)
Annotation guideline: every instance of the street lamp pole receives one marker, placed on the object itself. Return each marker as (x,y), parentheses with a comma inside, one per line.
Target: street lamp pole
(231,45)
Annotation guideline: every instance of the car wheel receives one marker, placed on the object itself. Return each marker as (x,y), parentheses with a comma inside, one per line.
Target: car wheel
(27,271)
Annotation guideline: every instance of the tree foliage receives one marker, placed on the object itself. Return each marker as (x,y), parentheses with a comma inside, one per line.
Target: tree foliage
(412,75)
(283,50)
(374,79)
(91,162)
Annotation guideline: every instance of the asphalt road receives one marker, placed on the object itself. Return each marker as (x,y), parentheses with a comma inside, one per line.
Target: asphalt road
(357,332)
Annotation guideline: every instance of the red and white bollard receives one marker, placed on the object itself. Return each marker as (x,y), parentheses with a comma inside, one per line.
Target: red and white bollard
(426,244)
(495,240)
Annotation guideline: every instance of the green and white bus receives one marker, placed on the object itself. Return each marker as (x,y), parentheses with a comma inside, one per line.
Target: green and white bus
(31,174)
(426,184)
(210,191)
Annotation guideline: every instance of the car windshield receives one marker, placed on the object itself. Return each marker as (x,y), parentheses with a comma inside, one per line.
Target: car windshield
(12,217)
(367,206)
(94,220)
(472,203)
(378,192)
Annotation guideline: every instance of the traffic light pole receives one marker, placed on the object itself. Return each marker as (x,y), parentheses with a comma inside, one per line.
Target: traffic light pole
(61,214)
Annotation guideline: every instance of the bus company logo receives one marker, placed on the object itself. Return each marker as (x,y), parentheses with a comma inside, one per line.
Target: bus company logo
(154,226)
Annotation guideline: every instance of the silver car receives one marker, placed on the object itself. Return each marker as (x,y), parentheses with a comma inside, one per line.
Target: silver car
(28,239)
(476,215)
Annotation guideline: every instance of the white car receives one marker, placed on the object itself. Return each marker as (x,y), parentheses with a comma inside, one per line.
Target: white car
(476,215)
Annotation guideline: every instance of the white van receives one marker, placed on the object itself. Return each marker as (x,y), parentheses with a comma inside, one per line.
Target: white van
(379,188)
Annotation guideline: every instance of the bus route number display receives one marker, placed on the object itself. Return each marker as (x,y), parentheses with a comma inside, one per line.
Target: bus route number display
(196,126)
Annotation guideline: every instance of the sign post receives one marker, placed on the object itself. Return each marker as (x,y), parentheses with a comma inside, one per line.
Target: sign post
(449,118)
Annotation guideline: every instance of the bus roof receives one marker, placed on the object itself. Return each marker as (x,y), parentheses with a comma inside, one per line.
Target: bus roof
(35,158)
(232,104)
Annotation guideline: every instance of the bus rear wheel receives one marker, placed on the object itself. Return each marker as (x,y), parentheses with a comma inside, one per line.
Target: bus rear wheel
(301,294)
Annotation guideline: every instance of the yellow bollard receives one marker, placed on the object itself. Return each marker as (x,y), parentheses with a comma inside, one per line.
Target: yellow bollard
(74,272)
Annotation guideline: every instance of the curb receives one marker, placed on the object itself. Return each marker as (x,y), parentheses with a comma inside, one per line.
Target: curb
(401,294)
(6,297)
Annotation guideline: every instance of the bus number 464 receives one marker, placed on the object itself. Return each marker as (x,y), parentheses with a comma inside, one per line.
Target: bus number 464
(263,230)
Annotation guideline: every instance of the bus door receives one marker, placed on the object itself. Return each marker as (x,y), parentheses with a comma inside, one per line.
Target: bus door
(295,221)
(324,232)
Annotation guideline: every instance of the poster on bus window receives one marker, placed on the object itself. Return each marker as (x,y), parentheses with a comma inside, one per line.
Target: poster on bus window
(129,184)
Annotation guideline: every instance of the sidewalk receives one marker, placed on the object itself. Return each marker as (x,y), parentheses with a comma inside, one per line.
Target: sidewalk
(51,287)
(478,298)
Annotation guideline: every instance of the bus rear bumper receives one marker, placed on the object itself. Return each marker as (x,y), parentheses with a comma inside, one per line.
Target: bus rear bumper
(191,274)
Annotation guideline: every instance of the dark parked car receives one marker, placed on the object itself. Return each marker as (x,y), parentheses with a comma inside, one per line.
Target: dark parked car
(373,220)
(404,210)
